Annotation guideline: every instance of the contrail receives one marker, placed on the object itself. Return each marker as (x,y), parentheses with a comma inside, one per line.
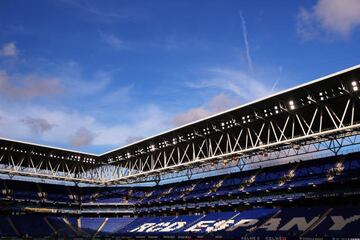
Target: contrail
(275,85)
(246,42)
(277,80)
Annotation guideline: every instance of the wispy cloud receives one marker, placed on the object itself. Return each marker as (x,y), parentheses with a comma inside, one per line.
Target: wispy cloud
(28,86)
(9,50)
(306,27)
(132,139)
(37,125)
(104,13)
(246,42)
(93,8)
(145,121)
(80,84)
(12,29)
(221,102)
(216,104)
(237,82)
(113,41)
(121,94)
(191,115)
(236,87)
(82,137)
(340,18)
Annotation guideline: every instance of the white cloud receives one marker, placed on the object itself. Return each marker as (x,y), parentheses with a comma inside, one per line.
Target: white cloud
(9,50)
(329,16)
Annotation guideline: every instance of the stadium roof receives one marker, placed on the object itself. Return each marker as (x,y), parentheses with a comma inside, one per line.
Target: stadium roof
(229,111)
(303,114)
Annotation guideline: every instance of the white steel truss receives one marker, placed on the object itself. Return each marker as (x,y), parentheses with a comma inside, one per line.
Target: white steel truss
(316,124)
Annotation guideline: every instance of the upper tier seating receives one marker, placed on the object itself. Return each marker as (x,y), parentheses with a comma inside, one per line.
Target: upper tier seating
(286,182)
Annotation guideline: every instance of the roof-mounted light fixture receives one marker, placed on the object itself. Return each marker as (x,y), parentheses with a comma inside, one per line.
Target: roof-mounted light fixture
(354,85)
(292,104)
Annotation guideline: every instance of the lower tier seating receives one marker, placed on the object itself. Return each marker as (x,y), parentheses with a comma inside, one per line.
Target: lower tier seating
(257,223)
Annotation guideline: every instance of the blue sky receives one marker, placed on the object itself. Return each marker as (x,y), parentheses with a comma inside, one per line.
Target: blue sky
(94,75)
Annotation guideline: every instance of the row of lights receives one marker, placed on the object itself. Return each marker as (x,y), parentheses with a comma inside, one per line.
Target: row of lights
(153,147)
(22,151)
(72,157)
(75,158)
(324,95)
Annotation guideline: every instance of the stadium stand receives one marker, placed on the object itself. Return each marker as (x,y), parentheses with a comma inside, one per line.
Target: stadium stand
(271,202)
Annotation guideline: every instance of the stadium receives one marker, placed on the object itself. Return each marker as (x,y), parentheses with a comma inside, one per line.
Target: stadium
(282,167)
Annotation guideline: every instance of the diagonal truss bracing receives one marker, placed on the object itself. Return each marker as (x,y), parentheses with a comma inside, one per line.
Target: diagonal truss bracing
(292,129)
